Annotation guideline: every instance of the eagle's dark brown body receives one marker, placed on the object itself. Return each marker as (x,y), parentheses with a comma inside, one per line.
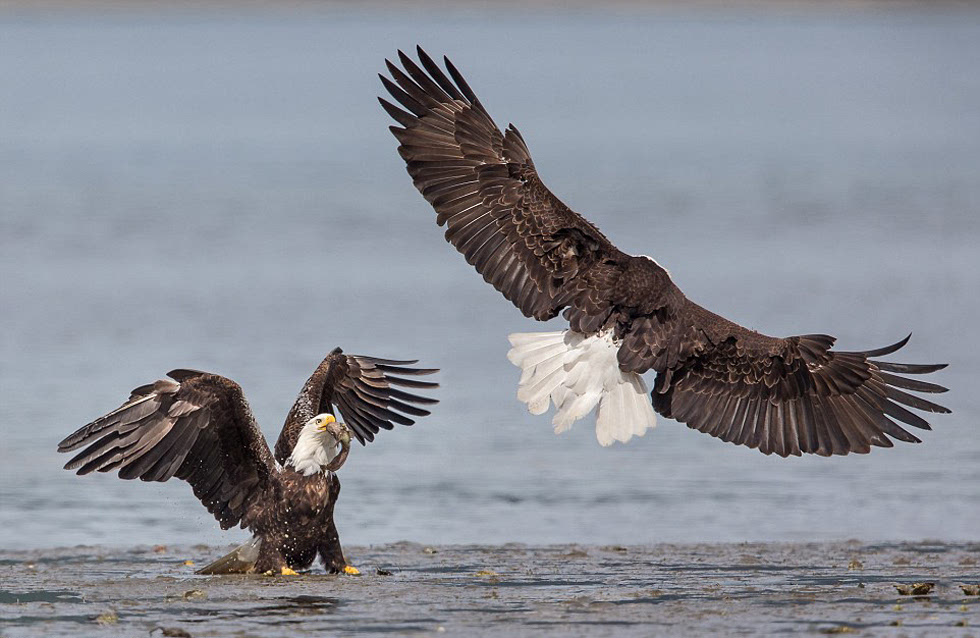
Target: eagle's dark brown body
(298,524)
(198,427)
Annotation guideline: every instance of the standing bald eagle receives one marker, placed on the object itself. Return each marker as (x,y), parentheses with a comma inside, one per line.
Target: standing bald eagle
(781,395)
(198,427)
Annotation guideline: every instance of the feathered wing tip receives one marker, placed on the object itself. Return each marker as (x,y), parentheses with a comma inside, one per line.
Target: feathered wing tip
(892,398)
(240,560)
(131,432)
(882,400)
(143,401)
(817,401)
(580,373)
(371,399)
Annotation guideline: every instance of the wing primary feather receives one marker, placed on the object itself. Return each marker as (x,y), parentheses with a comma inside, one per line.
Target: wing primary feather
(400,370)
(881,352)
(392,362)
(428,85)
(413,398)
(417,92)
(403,98)
(464,87)
(859,420)
(382,393)
(85,433)
(914,401)
(436,73)
(908,368)
(413,383)
(911,384)
(870,407)
(150,447)
(898,412)
(103,450)
(402,117)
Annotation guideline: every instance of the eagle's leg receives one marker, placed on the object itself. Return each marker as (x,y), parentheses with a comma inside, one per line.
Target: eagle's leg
(331,553)
(271,561)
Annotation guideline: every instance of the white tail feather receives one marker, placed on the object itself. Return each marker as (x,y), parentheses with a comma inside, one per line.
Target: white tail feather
(579,373)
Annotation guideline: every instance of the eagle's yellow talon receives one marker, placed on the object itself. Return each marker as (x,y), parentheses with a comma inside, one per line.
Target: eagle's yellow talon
(285,571)
(353,571)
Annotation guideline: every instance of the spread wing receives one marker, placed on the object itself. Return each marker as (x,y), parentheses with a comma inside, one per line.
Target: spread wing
(482,183)
(367,390)
(794,395)
(195,426)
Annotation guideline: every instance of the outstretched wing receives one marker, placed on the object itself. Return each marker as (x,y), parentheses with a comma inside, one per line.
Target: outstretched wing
(484,187)
(369,398)
(368,391)
(794,395)
(195,426)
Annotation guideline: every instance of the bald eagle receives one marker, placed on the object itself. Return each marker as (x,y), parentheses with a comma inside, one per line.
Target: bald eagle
(198,427)
(784,396)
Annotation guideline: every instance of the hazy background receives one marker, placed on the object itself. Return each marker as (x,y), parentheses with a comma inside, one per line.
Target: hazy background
(216,188)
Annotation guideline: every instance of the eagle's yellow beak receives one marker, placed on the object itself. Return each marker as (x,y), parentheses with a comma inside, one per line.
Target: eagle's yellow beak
(327,420)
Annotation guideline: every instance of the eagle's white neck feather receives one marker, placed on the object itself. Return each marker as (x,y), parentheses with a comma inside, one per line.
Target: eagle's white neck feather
(313,450)
(579,373)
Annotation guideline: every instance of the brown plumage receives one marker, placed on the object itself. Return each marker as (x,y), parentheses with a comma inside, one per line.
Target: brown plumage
(781,395)
(198,427)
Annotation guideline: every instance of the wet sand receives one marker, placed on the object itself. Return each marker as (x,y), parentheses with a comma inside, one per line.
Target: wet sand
(412,589)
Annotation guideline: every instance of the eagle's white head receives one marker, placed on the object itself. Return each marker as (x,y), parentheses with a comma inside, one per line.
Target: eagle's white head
(322,446)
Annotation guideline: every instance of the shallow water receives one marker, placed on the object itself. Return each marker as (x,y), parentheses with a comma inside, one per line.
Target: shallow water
(220,192)
(514,589)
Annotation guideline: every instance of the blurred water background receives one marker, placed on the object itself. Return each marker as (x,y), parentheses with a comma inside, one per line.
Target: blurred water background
(217,189)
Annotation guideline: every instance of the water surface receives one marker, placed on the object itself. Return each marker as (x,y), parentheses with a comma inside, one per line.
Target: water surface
(220,192)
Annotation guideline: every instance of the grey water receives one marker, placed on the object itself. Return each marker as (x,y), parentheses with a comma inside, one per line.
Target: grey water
(218,190)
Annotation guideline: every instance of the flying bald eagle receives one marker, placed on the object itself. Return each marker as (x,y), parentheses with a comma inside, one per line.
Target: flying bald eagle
(198,427)
(780,395)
